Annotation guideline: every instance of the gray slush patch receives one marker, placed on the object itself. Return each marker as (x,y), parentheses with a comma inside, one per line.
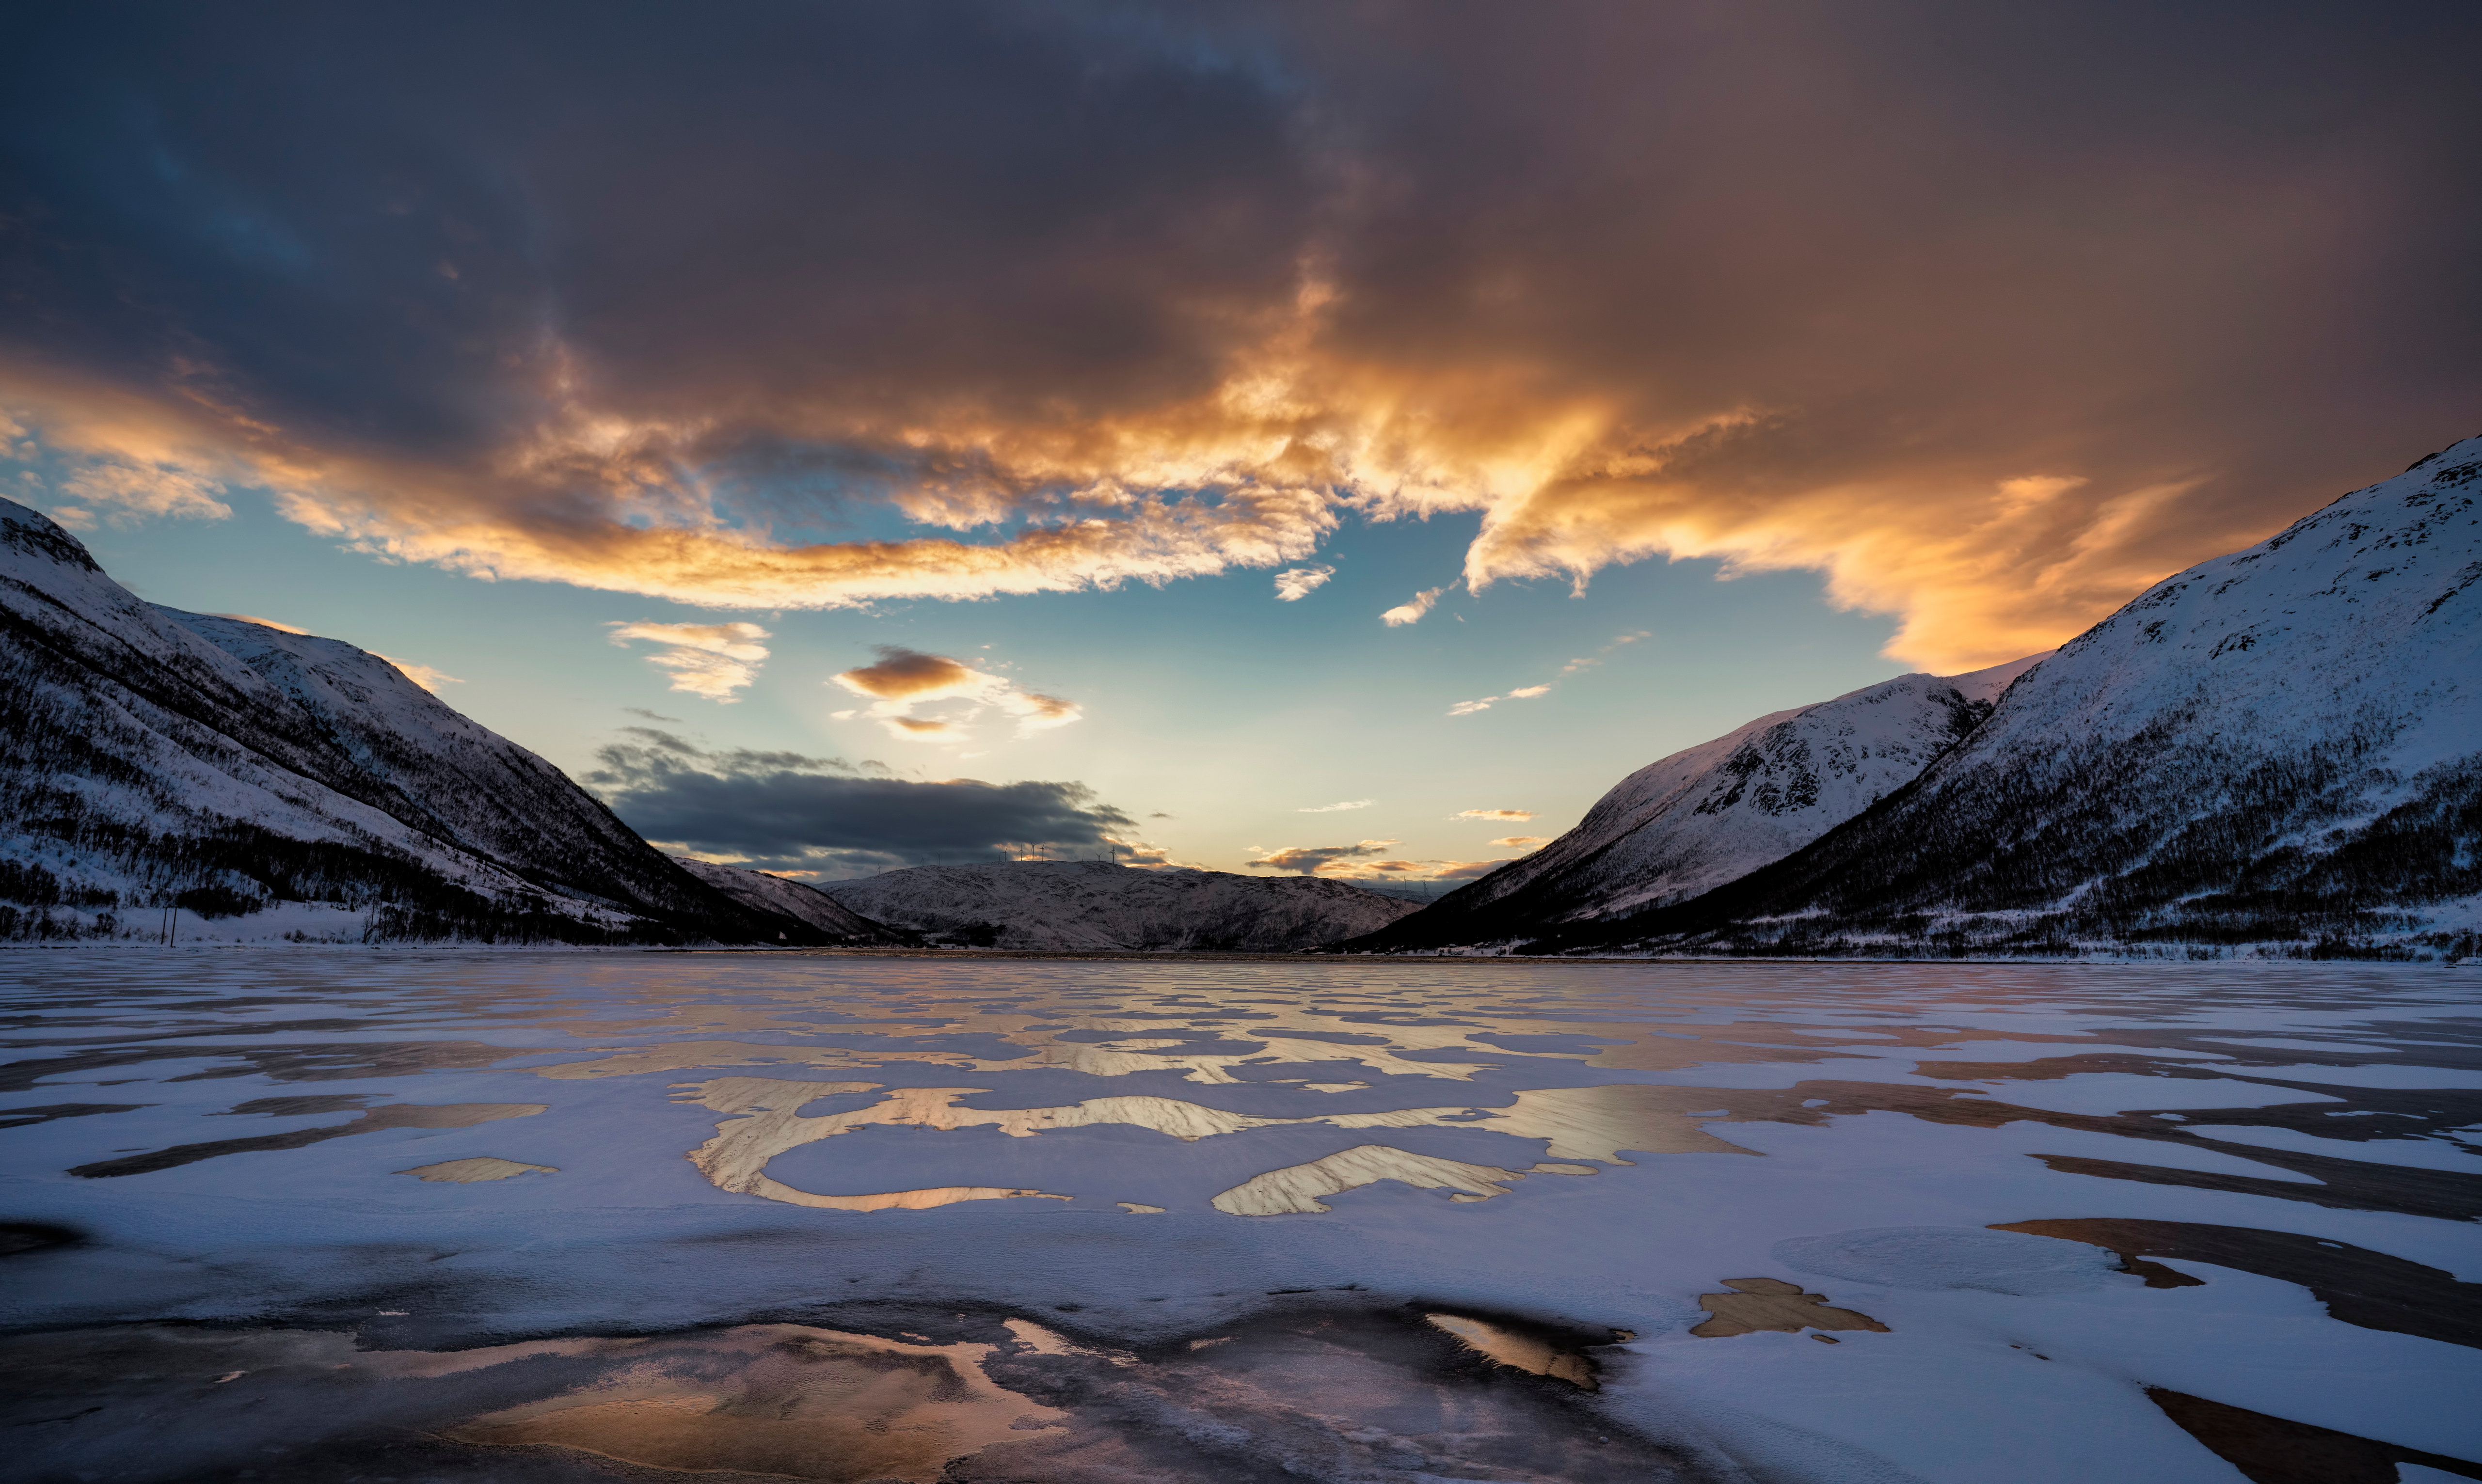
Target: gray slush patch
(1950,1257)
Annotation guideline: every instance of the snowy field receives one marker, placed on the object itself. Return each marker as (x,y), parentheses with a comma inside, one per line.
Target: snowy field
(324,1215)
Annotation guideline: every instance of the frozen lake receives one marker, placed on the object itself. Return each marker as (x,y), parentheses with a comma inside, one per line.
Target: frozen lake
(321,1215)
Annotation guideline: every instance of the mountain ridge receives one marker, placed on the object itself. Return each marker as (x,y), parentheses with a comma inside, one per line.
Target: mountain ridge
(165,759)
(1096,906)
(1710,814)
(2272,751)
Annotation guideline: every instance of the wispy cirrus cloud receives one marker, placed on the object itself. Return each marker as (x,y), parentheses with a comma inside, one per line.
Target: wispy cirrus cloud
(429,677)
(123,492)
(1350,803)
(1510,815)
(712,660)
(904,679)
(1521,842)
(1298,582)
(1589,662)
(1412,609)
(1522,693)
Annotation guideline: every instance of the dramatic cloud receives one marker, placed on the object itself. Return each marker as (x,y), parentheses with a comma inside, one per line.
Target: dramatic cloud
(1351,803)
(1988,315)
(1297,583)
(790,813)
(1332,860)
(904,679)
(712,660)
(1412,609)
(1510,815)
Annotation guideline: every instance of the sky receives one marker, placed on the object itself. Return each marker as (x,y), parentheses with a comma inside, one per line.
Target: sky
(1341,437)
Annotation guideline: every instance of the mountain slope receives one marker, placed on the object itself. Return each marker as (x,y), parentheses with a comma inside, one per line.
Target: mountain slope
(1715,812)
(2280,747)
(761,891)
(1096,906)
(155,755)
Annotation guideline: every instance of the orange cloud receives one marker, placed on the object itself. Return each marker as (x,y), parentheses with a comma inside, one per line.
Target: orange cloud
(903,679)
(906,672)
(1980,547)
(270,623)
(429,677)
(1511,815)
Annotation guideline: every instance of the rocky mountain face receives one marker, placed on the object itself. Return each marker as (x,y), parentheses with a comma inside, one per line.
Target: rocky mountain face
(761,892)
(2276,751)
(1096,906)
(1712,813)
(273,785)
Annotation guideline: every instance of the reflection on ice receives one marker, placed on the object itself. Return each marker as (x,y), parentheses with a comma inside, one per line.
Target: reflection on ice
(1758,1304)
(1573,1123)
(1518,1352)
(1298,1188)
(781,1399)
(467,1172)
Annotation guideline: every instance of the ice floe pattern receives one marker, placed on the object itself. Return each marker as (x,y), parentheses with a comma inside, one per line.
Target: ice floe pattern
(2253,1187)
(1585,1123)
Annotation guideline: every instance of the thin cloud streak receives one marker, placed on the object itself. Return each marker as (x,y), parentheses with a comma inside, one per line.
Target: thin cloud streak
(1412,609)
(1298,582)
(712,660)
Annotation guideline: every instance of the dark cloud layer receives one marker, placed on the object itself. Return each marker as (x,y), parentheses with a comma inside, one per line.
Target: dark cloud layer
(1991,313)
(783,811)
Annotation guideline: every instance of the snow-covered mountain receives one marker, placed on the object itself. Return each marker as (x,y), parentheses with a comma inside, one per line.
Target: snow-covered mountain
(274,785)
(2279,750)
(756,889)
(1093,904)
(1718,811)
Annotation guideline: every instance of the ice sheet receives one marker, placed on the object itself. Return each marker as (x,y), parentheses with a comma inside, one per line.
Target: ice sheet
(882,1147)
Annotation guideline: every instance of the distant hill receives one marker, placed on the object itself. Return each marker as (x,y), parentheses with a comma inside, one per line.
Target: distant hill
(275,787)
(1710,814)
(1092,904)
(763,893)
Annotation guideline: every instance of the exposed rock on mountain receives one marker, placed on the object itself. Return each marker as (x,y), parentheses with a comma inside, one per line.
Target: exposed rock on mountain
(158,758)
(763,893)
(1096,905)
(2279,750)
(1715,812)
